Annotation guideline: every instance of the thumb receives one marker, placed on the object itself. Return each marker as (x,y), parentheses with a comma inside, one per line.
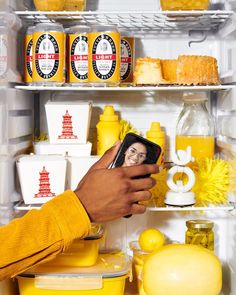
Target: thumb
(108,157)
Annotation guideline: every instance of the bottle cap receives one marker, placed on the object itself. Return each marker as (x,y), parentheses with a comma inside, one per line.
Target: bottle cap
(108,114)
(194,96)
(155,130)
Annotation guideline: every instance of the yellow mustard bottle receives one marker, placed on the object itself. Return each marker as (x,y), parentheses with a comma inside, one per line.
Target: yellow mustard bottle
(156,135)
(108,129)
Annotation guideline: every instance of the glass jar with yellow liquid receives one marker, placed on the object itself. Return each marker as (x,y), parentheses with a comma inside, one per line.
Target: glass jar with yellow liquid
(195,127)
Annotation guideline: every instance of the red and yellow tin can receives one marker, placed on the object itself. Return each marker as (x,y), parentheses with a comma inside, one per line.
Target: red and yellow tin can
(78,55)
(28,55)
(48,54)
(104,56)
(127,58)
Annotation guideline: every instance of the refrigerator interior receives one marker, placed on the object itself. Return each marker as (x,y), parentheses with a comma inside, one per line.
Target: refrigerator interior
(22,111)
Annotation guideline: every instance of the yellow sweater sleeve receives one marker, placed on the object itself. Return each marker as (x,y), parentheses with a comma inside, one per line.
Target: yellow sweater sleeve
(40,235)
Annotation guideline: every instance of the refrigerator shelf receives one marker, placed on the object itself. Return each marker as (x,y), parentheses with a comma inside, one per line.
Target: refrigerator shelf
(21,206)
(140,22)
(130,88)
(227,207)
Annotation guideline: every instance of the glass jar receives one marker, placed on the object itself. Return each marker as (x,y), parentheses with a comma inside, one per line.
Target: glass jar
(195,127)
(200,232)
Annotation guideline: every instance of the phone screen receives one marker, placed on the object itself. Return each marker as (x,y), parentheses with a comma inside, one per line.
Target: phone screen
(136,150)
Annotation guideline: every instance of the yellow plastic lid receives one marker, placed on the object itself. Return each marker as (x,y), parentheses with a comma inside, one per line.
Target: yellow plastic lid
(155,130)
(108,114)
(108,265)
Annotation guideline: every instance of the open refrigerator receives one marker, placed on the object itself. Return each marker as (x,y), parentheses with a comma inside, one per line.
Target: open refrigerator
(157,34)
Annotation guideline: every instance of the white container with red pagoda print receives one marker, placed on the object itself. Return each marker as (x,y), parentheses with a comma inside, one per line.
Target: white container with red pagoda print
(68,122)
(41,177)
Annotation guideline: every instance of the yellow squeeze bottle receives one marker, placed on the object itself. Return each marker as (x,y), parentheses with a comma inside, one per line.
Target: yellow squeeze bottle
(108,130)
(156,135)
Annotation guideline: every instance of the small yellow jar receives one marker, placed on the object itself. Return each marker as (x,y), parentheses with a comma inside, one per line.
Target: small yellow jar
(200,232)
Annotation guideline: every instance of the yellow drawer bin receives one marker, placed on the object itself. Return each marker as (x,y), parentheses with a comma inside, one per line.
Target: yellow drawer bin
(106,277)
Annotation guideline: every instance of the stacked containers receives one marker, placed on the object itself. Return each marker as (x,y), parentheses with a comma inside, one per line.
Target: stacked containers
(106,277)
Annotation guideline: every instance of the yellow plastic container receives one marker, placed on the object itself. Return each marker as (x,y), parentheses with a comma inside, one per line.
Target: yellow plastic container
(139,258)
(81,253)
(184,4)
(107,277)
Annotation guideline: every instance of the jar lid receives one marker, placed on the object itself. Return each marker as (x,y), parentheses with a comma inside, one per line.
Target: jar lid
(194,96)
(96,232)
(198,224)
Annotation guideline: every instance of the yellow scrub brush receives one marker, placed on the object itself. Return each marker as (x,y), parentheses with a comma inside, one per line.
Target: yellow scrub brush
(211,186)
(212,181)
(160,189)
(127,127)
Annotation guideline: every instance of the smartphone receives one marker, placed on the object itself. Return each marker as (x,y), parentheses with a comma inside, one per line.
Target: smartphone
(136,150)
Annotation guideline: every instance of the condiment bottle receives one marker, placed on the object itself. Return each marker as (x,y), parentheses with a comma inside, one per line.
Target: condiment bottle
(195,127)
(156,135)
(108,129)
(200,232)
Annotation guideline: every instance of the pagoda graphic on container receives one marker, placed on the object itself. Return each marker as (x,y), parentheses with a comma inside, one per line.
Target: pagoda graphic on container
(67,129)
(44,185)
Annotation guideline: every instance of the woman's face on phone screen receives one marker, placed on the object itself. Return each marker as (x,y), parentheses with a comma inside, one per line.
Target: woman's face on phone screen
(136,154)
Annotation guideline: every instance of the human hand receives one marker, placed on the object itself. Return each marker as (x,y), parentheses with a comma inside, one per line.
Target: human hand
(108,194)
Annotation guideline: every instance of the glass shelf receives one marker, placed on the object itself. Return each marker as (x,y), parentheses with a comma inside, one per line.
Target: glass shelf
(21,206)
(131,88)
(140,22)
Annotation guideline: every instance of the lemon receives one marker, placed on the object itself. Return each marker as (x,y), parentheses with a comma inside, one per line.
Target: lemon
(151,239)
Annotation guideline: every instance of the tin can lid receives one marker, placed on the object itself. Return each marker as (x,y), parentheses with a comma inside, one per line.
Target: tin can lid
(79,29)
(104,28)
(199,224)
(48,27)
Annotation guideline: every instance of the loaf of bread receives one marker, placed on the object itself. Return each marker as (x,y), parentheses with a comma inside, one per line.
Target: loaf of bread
(169,67)
(148,71)
(197,70)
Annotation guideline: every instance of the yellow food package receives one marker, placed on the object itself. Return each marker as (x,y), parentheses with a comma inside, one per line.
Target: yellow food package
(49,5)
(73,5)
(184,4)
